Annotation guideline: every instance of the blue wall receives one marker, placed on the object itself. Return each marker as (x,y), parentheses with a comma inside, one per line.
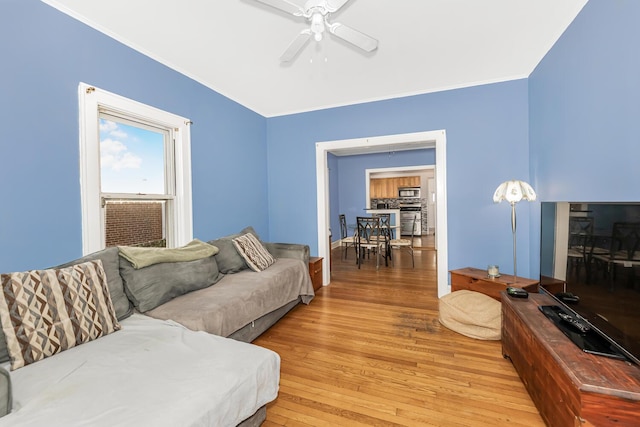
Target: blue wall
(45,54)
(585,111)
(487,143)
(233,185)
(570,129)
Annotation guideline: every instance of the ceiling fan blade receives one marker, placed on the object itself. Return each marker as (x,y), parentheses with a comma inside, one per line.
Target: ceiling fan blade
(284,5)
(334,5)
(354,37)
(296,46)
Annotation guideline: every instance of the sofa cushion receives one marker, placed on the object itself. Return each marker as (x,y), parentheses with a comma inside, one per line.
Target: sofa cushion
(6,393)
(254,253)
(250,230)
(239,299)
(228,258)
(44,312)
(471,314)
(111,264)
(156,284)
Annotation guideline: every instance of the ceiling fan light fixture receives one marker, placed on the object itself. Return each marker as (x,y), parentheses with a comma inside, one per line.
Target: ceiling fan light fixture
(317,26)
(317,12)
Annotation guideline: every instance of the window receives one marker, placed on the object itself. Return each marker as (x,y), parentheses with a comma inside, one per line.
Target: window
(135,173)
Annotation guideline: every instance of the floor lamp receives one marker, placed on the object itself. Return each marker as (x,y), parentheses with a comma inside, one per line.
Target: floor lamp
(513,192)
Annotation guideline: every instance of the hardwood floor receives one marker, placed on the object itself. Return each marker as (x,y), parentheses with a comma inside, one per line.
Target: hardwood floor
(369,351)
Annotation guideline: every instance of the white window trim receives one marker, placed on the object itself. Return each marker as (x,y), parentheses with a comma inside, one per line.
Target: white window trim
(91,100)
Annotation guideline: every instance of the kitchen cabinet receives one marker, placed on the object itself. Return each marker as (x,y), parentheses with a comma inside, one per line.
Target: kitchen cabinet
(387,188)
(408,181)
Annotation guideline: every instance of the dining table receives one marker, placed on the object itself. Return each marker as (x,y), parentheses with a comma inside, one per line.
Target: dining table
(395,219)
(353,227)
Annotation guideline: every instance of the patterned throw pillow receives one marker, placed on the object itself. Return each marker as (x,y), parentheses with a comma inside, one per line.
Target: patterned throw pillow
(254,253)
(44,312)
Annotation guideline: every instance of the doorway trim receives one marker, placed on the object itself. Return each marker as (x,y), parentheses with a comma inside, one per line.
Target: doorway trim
(409,141)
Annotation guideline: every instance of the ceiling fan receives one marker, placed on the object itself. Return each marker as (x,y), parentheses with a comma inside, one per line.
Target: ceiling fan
(317,13)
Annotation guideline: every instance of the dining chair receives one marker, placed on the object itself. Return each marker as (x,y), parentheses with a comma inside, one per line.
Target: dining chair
(580,232)
(407,244)
(386,233)
(624,249)
(368,238)
(346,240)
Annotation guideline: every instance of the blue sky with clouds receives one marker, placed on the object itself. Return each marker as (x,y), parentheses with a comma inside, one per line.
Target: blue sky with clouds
(131,159)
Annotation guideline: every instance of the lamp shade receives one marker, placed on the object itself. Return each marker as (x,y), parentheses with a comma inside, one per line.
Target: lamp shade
(514,191)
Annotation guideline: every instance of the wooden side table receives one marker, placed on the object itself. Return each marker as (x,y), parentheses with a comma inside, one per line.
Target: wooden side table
(315,271)
(475,279)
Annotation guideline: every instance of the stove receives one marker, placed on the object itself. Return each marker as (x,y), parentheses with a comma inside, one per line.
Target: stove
(409,201)
(410,209)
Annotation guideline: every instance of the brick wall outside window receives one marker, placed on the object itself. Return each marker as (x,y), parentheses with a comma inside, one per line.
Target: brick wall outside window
(134,223)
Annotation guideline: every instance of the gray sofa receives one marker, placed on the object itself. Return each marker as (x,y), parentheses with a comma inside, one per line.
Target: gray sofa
(217,294)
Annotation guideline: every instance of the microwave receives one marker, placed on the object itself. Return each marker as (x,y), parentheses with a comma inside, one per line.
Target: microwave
(409,192)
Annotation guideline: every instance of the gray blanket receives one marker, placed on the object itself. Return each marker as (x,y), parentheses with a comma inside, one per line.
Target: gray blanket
(239,298)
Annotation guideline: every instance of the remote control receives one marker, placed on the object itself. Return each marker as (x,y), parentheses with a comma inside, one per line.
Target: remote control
(574,323)
(568,297)
(517,292)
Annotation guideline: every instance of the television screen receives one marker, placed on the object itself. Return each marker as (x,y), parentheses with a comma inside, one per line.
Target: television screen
(592,251)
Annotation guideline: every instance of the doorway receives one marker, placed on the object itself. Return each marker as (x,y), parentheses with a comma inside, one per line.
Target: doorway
(411,141)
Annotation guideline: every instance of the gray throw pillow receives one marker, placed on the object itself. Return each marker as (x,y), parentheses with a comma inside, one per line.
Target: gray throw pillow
(6,394)
(229,260)
(250,230)
(156,284)
(4,351)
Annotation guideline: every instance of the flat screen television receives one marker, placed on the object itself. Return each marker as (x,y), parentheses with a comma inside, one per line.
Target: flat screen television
(585,253)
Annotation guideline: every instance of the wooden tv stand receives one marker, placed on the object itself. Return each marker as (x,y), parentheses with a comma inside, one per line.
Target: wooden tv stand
(569,387)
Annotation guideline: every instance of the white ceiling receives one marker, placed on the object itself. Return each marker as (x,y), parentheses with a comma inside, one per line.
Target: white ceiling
(233,46)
